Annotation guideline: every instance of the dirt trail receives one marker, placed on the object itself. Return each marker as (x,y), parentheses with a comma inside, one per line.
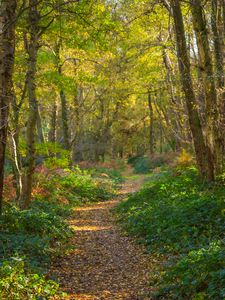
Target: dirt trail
(105,264)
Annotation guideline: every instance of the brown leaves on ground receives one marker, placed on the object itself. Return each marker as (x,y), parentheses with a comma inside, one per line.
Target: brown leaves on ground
(105,264)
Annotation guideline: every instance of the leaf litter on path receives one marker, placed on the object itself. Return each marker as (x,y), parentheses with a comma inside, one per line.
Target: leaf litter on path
(105,264)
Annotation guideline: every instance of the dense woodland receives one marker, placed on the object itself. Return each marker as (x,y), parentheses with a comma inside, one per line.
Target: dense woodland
(90,83)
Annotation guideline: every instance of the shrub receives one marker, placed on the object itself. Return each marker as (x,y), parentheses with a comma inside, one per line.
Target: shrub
(113,174)
(34,221)
(86,187)
(198,275)
(37,234)
(183,218)
(144,164)
(132,159)
(16,283)
(184,159)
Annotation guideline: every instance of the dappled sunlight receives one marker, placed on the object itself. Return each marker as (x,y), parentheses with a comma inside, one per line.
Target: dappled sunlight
(123,294)
(90,228)
(98,206)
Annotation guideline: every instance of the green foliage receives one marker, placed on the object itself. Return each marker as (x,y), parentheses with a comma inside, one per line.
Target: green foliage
(35,233)
(34,221)
(113,174)
(184,218)
(16,283)
(198,275)
(34,236)
(132,159)
(41,232)
(86,187)
(144,164)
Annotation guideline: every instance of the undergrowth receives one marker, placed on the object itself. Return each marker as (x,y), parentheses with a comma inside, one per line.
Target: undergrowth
(144,164)
(29,239)
(182,218)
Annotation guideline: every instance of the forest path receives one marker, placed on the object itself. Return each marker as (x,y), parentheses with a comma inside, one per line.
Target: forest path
(105,264)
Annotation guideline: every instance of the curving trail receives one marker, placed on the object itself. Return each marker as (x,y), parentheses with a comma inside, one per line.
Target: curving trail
(105,264)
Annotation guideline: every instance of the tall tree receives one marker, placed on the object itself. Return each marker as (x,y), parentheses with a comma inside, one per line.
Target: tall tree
(32,50)
(211,109)
(151,137)
(7,45)
(203,156)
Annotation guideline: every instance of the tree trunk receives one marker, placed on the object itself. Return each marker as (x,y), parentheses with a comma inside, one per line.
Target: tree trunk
(40,133)
(33,20)
(64,109)
(15,134)
(151,138)
(16,165)
(52,131)
(77,154)
(217,29)
(212,130)
(64,115)
(203,157)
(7,47)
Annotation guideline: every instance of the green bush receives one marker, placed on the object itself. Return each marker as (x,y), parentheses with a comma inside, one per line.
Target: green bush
(34,221)
(144,164)
(35,250)
(198,275)
(16,283)
(132,159)
(86,187)
(37,234)
(178,215)
(114,174)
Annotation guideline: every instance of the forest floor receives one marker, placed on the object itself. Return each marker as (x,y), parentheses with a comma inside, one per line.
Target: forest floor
(105,263)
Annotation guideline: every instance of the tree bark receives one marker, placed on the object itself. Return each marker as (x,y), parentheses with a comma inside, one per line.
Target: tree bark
(217,29)
(64,116)
(203,158)
(16,165)
(40,133)
(151,138)
(212,130)
(64,109)
(52,131)
(7,49)
(33,21)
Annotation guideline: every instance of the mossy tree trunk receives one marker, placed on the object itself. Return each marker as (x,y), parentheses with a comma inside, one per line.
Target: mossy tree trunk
(32,50)
(7,49)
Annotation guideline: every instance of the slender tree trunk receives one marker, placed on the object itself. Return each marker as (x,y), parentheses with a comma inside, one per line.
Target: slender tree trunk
(203,158)
(212,131)
(16,165)
(217,29)
(15,134)
(52,131)
(77,139)
(161,140)
(7,47)
(64,109)
(151,137)
(223,13)
(40,133)
(218,43)
(33,105)
(64,115)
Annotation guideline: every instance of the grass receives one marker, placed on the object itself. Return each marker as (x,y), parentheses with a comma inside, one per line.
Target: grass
(182,218)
